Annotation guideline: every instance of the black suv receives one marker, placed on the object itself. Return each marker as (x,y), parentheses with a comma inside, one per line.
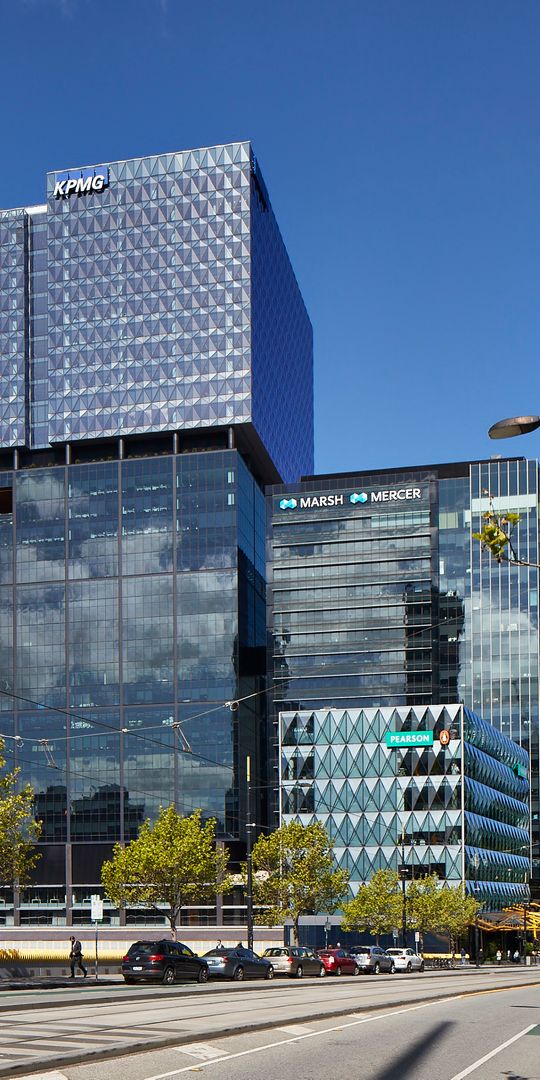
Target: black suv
(164,961)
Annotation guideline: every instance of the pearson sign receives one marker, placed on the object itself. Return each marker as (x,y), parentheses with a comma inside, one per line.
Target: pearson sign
(409,738)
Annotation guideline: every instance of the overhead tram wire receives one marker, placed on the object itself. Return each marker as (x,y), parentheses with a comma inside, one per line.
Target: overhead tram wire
(232,704)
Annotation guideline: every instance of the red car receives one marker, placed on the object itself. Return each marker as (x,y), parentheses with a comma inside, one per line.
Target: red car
(338,962)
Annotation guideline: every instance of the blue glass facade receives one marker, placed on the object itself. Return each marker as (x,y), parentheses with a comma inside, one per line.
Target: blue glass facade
(131,610)
(163,301)
(458,809)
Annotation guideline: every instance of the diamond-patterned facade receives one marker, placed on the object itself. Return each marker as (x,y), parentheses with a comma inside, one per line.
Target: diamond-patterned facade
(448,802)
(171,305)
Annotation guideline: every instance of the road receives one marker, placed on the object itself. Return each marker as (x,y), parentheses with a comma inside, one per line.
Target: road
(383,1029)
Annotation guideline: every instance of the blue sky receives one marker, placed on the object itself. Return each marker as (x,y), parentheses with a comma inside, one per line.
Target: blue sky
(399,140)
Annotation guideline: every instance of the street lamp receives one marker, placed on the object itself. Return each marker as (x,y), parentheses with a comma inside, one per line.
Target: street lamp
(476,863)
(249,859)
(514,425)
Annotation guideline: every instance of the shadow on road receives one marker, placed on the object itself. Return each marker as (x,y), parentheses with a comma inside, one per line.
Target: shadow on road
(407,1063)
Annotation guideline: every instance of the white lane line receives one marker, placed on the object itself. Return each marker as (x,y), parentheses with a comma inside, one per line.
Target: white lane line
(295,1029)
(44,1076)
(497,1050)
(202,1050)
(311,1035)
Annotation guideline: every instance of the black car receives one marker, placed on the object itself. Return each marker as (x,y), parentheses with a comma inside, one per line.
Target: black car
(238,964)
(162,961)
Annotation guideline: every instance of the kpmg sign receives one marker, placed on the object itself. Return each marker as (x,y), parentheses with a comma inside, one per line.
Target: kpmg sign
(80,181)
(312,502)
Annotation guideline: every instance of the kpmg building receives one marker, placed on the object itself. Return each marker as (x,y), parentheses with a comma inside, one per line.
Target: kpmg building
(378,596)
(149,318)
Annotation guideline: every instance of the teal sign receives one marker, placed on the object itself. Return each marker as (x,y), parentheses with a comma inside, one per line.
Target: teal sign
(395,739)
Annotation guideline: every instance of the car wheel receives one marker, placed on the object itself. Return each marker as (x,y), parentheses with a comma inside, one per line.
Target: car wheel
(377,969)
(168,976)
(393,969)
(322,972)
(299,971)
(356,970)
(338,971)
(421,968)
(202,977)
(409,967)
(269,973)
(238,974)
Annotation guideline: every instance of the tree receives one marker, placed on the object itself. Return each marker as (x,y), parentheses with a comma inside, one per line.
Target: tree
(377,906)
(19,829)
(496,536)
(171,863)
(440,910)
(295,875)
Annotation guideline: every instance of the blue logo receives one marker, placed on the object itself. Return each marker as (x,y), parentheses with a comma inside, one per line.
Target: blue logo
(355,498)
(287,504)
(81,181)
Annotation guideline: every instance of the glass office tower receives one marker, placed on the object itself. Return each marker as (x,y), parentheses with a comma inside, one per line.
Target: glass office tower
(149,319)
(379,596)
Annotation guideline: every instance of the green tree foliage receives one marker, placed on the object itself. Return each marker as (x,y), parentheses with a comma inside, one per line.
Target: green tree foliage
(171,863)
(496,535)
(295,875)
(19,830)
(440,910)
(377,906)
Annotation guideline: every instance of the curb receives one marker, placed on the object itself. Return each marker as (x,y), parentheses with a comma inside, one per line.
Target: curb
(87,1057)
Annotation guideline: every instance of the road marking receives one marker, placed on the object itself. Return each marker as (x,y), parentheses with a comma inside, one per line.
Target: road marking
(487,1057)
(44,1076)
(202,1050)
(295,1029)
(310,1035)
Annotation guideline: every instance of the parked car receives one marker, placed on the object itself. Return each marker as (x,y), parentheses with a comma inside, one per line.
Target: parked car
(372,958)
(338,962)
(295,961)
(406,959)
(162,961)
(238,964)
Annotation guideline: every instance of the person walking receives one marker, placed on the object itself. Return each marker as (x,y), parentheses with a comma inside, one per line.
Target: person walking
(498,956)
(75,957)
(463,957)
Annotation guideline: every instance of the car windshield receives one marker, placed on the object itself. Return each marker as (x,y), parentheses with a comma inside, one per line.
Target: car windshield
(357,949)
(395,952)
(215,952)
(275,952)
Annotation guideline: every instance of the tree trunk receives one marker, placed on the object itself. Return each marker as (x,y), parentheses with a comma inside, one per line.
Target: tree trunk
(296,921)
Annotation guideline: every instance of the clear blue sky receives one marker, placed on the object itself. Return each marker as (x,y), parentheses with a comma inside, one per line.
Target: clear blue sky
(399,140)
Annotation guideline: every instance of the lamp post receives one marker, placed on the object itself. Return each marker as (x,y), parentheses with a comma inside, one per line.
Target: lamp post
(249,859)
(476,863)
(403,874)
(514,425)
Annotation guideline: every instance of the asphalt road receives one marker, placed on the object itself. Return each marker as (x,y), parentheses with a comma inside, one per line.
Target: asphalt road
(490,1036)
(77,1030)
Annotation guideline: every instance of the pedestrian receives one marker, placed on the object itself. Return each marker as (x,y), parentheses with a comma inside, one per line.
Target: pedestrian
(75,957)
(516,957)
(463,957)
(508,955)
(219,944)
(498,956)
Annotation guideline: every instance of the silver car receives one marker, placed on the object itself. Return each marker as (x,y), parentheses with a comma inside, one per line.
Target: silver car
(406,960)
(296,961)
